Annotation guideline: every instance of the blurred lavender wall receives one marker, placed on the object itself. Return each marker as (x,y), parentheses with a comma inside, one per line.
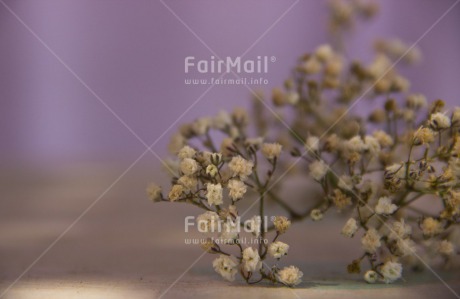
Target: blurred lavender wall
(131,54)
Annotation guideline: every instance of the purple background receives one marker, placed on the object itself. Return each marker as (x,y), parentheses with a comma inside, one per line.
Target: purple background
(131,54)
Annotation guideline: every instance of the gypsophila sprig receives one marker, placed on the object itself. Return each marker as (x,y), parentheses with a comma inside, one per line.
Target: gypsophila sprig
(215,180)
(371,170)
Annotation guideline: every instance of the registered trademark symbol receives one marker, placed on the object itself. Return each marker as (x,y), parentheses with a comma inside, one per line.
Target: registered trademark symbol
(273,59)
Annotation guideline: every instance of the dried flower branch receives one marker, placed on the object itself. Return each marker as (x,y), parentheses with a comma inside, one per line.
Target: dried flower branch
(372,169)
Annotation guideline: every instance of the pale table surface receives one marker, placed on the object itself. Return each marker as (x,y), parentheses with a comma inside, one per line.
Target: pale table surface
(126,247)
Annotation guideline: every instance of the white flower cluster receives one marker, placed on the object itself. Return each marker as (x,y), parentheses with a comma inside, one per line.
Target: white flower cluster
(372,169)
(216,181)
(226,267)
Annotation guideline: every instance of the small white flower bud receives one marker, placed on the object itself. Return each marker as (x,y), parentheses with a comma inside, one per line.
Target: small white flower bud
(211,170)
(214,194)
(271,150)
(282,224)
(439,121)
(278,249)
(154,192)
(371,276)
(316,214)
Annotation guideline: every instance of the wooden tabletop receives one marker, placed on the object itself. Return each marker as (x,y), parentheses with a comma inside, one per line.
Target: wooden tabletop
(65,234)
